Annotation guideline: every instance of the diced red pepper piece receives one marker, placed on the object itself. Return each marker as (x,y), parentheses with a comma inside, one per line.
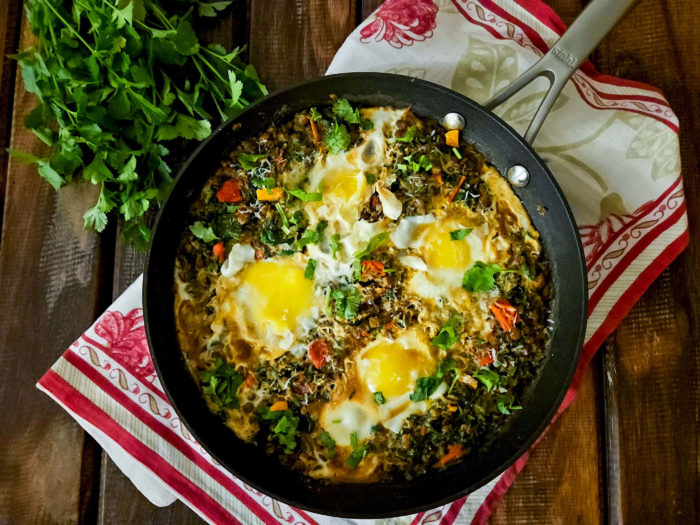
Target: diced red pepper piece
(505,313)
(319,352)
(230,191)
(219,251)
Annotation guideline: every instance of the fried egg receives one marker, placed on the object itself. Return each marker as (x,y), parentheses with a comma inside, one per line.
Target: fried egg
(341,176)
(269,316)
(386,370)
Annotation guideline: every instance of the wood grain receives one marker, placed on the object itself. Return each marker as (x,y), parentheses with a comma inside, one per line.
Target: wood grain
(10,17)
(49,269)
(656,348)
(295,40)
(562,482)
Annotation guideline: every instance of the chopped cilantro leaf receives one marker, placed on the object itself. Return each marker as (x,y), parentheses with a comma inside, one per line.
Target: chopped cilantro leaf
(338,139)
(312,236)
(448,334)
(250,161)
(379,398)
(310,270)
(203,232)
(347,302)
(458,235)
(221,384)
(315,115)
(343,110)
(487,377)
(328,442)
(409,136)
(426,386)
(358,452)
(285,427)
(480,277)
(335,245)
(370,178)
(304,196)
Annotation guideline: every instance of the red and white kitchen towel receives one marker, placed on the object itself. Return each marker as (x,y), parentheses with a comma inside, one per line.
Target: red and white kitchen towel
(612,144)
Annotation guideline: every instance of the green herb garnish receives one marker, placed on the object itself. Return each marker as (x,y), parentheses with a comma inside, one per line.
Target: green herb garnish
(426,386)
(487,377)
(347,302)
(250,161)
(457,153)
(458,235)
(358,452)
(338,139)
(315,115)
(305,196)
(285,428)
(310,270)
(328,442)
(448,334)
(334,245)
(480,277)
(379,398)
(202,232)
(409,136)
(221,384)
(375,242)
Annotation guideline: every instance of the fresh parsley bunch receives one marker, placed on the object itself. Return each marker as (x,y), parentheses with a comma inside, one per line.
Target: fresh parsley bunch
(118,81)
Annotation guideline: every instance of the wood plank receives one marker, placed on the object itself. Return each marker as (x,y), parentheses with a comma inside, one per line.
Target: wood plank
(296,40)
(656,355)
(10,14)
(562,482)
(49,277)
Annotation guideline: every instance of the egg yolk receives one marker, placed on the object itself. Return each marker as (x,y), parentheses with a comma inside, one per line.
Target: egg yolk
(440,251)
(393,369)
(342,184)
(281,294)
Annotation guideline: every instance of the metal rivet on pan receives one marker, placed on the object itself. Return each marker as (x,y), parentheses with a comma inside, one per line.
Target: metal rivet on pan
(453,121)
(518,176)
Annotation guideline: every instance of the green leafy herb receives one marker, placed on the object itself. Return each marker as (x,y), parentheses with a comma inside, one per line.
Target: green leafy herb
(203,232)
(315,115)
(379,398)
(334,245)
(310,270)
(344,111)
(375,242)
(221,384)
(409,135)
(263,182)
(347,302)
(527,271)
(283,216)
(448,334)
(116,81)
(426,386)
(304,196)
(312,236)
(285,428)
(328,442)
(487,377)
(358,452)
(505,404)
(480,277)
(370,178)
(338,139)
(249,161)
(458,235)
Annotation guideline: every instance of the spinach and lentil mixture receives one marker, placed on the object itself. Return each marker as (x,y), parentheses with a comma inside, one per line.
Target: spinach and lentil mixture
(361,294)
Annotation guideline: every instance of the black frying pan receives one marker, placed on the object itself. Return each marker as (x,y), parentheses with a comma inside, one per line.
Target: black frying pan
(504,149)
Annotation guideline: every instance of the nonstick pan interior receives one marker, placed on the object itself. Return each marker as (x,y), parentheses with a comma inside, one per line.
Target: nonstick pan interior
(549,213)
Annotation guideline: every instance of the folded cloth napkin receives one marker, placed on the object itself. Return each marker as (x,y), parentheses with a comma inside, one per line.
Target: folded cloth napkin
(612,145)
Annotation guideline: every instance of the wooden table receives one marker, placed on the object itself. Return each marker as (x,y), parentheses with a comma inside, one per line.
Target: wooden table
(625,451)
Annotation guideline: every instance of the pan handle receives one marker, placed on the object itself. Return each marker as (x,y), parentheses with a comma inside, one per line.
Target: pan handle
(560,62)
